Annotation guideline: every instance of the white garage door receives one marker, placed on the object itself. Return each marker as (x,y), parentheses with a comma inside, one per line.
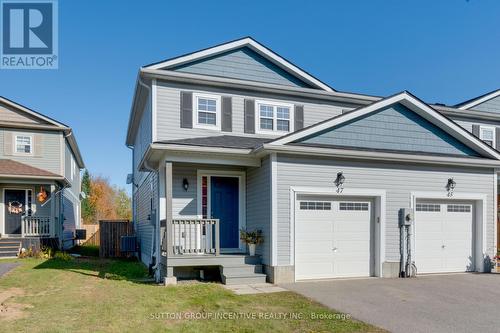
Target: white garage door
(332,238)
(443,236)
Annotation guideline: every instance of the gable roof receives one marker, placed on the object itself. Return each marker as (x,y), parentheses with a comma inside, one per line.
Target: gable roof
(411,102)
(478,100)
(45,123)
(246,42)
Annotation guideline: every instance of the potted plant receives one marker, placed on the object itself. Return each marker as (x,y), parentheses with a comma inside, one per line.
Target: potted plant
(252,238)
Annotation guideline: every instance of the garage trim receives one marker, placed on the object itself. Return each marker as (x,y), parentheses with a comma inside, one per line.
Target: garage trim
(480,201)
(379,212)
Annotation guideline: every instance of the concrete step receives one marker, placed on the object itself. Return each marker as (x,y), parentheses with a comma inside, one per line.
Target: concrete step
(243,279)
(241,269)
(9,247)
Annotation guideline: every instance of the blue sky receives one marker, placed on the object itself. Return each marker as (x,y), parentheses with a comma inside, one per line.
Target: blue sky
(442,51)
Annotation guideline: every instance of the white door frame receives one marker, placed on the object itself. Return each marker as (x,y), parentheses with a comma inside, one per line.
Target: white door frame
(2,204)
(479,223)
(379,211)
(241,175)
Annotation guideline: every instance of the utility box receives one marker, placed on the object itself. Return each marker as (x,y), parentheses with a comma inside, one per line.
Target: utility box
(406,217)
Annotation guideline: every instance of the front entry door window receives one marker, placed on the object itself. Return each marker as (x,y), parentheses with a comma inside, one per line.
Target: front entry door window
(224,198)
(15,208)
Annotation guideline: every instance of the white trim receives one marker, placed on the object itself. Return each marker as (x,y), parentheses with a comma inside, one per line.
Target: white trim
(413,104)
(480,100)
(14,143)
(217,99)
(2,203)
(493,131)
(379,211)
(154,89)
(32,113)
(480,241)
(274,209)
(241,175)
(252,44)
(495,211)
(375,155)
(275,105)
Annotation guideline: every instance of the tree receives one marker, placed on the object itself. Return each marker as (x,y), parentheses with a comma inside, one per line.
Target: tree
(87,210)
(104,201)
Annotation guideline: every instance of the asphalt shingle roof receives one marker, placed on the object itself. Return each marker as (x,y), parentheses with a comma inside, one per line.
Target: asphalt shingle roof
(222,141)
(10,167)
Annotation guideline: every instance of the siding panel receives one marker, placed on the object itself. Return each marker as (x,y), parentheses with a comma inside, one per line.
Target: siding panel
(493,105)
(397,179)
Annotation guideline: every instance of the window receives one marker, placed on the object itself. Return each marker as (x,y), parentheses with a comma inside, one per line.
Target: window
(315,205)
(428,207)
(487,134)
(273,117)
(363,206)
(24,144)
(459,208)
(207,111)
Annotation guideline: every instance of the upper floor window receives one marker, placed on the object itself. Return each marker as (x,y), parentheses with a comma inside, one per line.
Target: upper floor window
(274,117)
(207,111)
(24,144)
(487,134)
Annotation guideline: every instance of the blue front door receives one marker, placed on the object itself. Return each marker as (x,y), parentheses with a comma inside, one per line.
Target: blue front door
(224,206)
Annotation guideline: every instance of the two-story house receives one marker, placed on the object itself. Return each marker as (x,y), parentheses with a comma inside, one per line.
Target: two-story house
(40,189)
(237,137)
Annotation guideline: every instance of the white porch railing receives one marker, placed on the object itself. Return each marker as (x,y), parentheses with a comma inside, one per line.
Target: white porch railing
(36,226)
(193,236)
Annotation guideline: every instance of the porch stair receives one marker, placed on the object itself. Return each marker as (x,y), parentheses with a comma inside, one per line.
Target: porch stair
(9,247)
(242,273)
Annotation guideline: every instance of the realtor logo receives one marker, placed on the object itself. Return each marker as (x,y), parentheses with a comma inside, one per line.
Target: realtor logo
(29,34)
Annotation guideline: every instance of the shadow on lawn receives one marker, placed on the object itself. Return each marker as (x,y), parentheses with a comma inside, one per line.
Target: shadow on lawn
(111,269)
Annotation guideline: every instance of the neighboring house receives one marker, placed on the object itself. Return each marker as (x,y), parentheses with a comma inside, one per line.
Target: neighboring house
(40,167)
(235,136)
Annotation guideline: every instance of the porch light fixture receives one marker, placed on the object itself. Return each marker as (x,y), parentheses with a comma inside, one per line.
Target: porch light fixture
(339,181)
(185,184)
(450,186)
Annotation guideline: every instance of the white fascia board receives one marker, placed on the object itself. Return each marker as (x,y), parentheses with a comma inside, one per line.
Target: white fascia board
(480,100)
(410,102)
(377,156)
(248,42)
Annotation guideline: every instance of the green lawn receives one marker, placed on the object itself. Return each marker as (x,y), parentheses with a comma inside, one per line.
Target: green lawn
(83,295)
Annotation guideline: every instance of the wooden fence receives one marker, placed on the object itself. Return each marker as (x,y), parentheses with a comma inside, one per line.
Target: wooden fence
(92,234)
(111,232)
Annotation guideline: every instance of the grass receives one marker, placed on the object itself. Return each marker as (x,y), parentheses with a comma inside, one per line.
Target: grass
(92,294)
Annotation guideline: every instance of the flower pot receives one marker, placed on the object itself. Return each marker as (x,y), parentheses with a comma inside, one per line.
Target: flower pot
(251,249)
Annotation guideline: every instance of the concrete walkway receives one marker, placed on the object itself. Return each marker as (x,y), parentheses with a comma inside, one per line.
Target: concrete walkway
(5,267)
(258,288)
(438,303)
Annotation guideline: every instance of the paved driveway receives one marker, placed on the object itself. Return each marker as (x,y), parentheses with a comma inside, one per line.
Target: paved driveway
(437,303)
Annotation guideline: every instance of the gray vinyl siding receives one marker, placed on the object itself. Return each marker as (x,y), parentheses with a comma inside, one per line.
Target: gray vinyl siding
(142,141)
(392,128)
(168,111)
(399,180)
(185,203)
(50,158)
(145,201)
(243,64)
(492,105)
(259,205)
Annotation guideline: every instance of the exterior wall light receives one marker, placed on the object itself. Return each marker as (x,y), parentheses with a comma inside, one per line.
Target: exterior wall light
(185,184)
(339,181)
(450,186)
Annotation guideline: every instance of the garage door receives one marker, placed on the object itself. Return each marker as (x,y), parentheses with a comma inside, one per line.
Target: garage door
(443,236)
(332,238)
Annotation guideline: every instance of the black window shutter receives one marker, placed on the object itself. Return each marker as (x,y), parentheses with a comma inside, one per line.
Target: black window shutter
(227,114)
(186,109)
(249,116)
(475,130)
(497,138)
(298,117)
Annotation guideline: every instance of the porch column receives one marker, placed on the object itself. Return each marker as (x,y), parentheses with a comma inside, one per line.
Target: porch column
(53,212)
(169,271)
